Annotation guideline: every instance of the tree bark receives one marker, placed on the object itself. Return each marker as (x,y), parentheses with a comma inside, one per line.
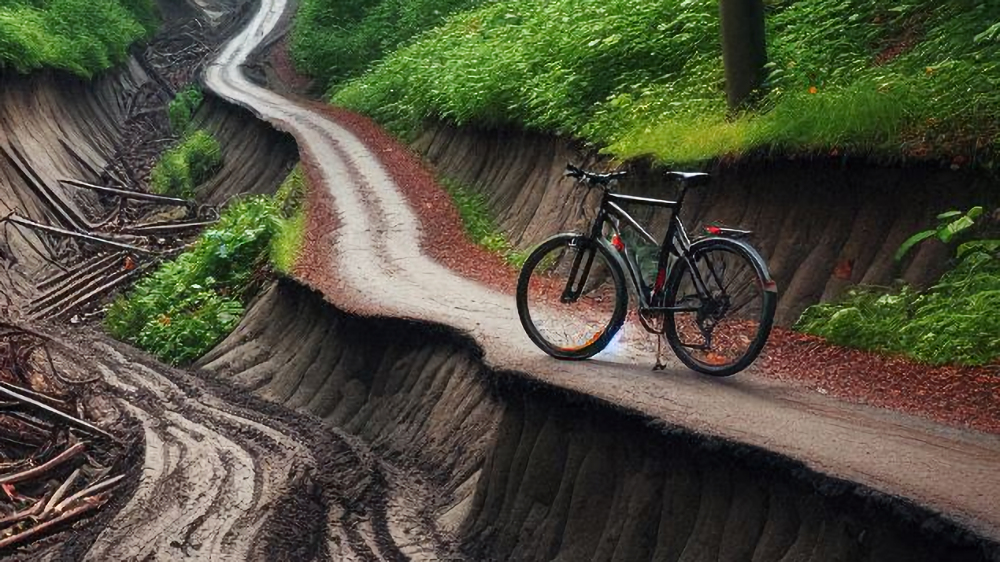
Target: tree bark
(744,51)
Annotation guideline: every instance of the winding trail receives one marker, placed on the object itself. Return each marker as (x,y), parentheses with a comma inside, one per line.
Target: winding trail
(382,272)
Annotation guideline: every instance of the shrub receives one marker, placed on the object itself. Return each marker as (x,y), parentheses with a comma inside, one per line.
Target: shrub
(955,321)
(187,165)
(189,304)
(182,108)
(80,36)
(337,39)
(881,79)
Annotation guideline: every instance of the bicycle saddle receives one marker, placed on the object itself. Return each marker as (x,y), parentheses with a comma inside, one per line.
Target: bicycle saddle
(692,179)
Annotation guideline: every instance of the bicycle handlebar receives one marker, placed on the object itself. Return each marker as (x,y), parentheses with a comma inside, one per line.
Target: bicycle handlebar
(591,177)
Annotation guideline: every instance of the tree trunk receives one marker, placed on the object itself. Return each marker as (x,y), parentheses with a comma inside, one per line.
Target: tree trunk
(744,52)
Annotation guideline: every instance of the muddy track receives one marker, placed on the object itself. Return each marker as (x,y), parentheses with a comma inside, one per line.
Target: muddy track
(379,271)
(227,476)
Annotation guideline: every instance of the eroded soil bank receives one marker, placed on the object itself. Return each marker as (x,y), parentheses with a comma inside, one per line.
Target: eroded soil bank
(822,224)
(523,471)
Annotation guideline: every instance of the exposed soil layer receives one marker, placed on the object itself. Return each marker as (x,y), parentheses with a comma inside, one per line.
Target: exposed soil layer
(526,471)
(821,224)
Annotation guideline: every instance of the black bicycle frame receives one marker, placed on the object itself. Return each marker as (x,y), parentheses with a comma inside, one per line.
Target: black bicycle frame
(675,242)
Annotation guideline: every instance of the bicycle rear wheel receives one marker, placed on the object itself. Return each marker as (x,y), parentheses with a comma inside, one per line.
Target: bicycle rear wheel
(571,296)
(724,328)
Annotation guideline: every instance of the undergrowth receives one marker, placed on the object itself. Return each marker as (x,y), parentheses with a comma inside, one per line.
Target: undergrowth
(885,79)
(189,304)
(479,223)
(182,108)
(81,36)
(955,321)
(290,201)
(338,39)
(187,165)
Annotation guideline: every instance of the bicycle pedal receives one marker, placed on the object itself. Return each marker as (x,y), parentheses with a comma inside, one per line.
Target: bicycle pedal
(659,366)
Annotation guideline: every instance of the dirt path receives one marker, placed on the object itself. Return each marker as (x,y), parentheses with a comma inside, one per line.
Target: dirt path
(379,270)
(227,476)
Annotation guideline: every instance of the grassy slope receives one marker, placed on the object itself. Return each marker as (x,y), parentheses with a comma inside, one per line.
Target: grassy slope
(81,36)
(893,79)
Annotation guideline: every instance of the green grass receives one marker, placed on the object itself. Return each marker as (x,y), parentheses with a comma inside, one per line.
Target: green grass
(881,79)
(287,243)
(185,166)
(479,223)
(81,36)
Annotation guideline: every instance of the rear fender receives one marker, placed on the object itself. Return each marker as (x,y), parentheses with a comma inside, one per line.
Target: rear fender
(758,262)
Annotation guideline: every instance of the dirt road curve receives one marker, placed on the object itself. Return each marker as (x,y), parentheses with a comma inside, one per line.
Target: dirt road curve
(230,477)
(382,272)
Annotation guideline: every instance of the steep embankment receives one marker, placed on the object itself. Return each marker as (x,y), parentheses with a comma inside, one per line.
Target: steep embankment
(525,471)
(216,474)
(822,224)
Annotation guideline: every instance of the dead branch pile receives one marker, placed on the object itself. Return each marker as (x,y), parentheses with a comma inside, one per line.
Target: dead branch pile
(55,466)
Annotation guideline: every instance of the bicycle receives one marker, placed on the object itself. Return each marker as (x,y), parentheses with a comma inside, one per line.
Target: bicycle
(712,299)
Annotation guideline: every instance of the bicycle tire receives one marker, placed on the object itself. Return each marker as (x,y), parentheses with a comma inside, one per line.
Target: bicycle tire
(543,306)
(749,286)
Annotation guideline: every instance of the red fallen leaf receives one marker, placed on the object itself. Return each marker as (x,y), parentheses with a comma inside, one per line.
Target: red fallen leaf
(844,269)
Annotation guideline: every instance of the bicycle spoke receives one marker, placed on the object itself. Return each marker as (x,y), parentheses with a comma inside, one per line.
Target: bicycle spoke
(726,327)
(570,297)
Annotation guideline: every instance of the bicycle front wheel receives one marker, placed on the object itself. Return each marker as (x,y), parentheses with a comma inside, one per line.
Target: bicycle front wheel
(571,296)
(726,308)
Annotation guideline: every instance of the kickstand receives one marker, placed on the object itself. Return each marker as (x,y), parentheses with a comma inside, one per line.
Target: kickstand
(660,365)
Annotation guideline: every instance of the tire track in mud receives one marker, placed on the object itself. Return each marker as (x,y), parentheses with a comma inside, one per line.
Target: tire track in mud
(227,476)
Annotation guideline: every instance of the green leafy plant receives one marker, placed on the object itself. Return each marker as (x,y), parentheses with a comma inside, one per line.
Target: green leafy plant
(187,165)
(883,80)
(81,36)
(187,305)
(951,224)
(955,321)
(338,39)
(182,108)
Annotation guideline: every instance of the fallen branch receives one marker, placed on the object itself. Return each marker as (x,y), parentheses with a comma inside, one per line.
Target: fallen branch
(62,457)
(56,497)
(76,421)
(96,488)
(37,529)
(17,219)
(22,515)
(125,194)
